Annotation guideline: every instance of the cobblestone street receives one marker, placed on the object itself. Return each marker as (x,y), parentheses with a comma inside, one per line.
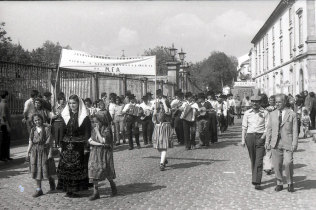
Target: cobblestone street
(217,177)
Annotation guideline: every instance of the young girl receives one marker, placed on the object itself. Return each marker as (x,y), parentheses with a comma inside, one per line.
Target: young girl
(305,121)
(101,164)
(162,135)
(40,154)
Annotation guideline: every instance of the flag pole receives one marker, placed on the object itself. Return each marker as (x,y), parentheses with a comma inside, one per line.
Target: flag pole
(155,85)
(57,75)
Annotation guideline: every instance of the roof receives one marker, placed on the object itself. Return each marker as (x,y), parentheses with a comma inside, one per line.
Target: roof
(275,14)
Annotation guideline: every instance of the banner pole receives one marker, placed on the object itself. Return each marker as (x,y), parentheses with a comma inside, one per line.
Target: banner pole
(57,75)
(155,85)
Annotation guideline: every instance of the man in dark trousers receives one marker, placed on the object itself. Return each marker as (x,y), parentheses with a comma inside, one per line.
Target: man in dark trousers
(203,120)
(5,124)
(176,113)
(254,127)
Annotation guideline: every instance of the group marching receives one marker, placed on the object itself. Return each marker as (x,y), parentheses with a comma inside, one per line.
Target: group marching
(83,134)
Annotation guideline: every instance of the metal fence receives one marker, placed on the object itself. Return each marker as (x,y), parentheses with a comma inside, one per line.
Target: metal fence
(19,80)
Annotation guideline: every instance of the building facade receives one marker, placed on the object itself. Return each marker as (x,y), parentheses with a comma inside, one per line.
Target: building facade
(283,57)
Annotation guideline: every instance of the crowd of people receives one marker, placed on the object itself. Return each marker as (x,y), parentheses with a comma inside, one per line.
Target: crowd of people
(83,133)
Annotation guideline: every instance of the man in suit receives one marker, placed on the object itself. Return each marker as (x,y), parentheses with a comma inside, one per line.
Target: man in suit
(282,136)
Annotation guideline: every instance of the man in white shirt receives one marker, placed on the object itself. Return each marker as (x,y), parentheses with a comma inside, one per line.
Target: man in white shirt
(146,120)
(29,109)
(189,108)
(130,121)
(254,127)
(176,113)
(222,113)
(231,109)
(213,116)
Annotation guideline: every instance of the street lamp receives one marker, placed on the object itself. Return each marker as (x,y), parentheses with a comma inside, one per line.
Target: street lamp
(182,55)
(173,52)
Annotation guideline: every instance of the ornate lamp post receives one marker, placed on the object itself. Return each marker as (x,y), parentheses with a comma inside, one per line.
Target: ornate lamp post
(173,52)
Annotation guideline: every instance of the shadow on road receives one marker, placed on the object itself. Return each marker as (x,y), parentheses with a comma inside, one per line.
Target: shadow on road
(300,183)
(191,159)
(9,173)
(189,165)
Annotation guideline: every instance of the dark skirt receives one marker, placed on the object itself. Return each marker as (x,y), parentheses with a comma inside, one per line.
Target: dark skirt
(72,171)
(101,164)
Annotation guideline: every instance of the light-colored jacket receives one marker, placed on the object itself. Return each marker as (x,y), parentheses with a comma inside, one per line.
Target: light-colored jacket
(289,131)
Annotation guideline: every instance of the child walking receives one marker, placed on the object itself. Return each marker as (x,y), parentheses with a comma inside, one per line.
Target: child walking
(101,163)
(306,122)
(41,163)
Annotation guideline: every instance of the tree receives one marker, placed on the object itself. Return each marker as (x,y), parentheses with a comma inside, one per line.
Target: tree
(216,71)
(48,54)
(162,57)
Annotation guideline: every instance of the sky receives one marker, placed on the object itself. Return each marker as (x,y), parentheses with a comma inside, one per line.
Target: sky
(108,27)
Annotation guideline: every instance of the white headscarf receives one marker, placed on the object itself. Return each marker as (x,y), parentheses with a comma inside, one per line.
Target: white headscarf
(82,113)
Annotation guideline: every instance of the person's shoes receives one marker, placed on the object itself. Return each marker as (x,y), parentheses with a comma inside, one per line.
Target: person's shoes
(113,188)
(290,188)
(131,148)
(162,167)
(166,162)
(138,147)
(95,196)
(118,143)
(278,188)
(187,148)
(192,147)
(10,158)
(38,193)
(258,187)
(145,143)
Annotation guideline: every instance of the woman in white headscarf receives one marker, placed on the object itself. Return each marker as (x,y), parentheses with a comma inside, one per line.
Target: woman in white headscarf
(72,171)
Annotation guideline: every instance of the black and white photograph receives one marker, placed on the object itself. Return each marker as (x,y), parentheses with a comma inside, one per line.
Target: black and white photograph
(148,104)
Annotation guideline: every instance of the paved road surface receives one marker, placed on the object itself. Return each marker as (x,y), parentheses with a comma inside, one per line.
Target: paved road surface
(214,178)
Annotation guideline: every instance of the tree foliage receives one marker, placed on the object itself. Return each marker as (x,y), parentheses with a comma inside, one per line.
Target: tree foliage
(216,71)
(162,57)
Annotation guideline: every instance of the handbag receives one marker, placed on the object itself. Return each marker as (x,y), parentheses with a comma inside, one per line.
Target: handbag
(267,161)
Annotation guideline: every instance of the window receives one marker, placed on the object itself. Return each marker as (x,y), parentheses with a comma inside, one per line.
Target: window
(281,50)
(291,44)
(300,26)
(267,40)
(273,33)
(267,59)
(280,26)
(263,63)
(273,55)
(290,15)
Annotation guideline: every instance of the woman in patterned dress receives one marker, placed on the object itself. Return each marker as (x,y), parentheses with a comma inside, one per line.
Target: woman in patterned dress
(162,135)
(72,171)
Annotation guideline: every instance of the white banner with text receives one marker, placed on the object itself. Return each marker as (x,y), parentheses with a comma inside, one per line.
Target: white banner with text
(77,60)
